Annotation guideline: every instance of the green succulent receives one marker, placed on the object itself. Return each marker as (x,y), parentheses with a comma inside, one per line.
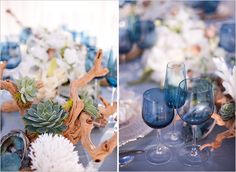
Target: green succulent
(227,111)
(45,117)
(89,107)
(27,89)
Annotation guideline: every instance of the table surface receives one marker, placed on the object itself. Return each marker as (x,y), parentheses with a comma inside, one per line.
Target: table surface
(11,121)
(222,159)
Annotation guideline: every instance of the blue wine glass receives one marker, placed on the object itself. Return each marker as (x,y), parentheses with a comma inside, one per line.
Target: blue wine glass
(175,73)
(144,33)
(26,32)
(156,114)
(111,77)
(10,52)
(208,7)
(227,37)
(197,108)
(125,40)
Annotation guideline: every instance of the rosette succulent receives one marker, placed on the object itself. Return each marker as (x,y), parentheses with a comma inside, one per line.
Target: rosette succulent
(227,111)
(45,117)
(27,89)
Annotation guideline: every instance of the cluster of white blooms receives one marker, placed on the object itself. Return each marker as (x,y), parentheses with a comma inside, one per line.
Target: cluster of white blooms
(63,60)
(182,37)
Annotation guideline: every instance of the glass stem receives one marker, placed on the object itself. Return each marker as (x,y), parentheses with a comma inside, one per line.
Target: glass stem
(194,144)
(113,94)
(159,141)
(173,125)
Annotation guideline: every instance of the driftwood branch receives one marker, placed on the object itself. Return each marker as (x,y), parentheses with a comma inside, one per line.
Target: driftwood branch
(81,124)
(2,67)
(230,133)
(15,104)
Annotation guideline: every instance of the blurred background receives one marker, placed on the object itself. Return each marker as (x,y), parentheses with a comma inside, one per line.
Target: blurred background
(95,18)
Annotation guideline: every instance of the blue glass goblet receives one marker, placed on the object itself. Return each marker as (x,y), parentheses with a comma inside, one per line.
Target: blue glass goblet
(175,73)
(197,108)
(10,52)
(125,40)
(111,77)
(25,34)
(208,7)
(144,33)
(156,114)
(227,37)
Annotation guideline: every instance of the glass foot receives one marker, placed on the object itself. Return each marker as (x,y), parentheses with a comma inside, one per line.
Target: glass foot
(193,156)
(158,155)
(173,139)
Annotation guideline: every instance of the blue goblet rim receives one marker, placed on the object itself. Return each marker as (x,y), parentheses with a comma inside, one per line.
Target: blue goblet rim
(209,85)
(171,64)
(146,98)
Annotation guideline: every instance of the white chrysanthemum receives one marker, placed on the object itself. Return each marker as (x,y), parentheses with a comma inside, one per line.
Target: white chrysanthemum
(53,154)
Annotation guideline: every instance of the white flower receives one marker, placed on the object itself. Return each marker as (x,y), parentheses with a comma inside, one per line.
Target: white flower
(39,52)
(53,154)
(70,55)
(58,39)
(181,37)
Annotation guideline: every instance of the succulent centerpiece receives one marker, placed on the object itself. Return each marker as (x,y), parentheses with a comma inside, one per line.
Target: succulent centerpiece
(45,117)
(74,120)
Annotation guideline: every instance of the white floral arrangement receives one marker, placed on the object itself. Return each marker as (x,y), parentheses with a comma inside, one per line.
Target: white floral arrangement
(63,59)
(182,37)
(54,153)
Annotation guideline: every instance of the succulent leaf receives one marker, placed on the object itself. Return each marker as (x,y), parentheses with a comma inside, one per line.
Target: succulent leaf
(45,117)
(27,88)
(227,111)
(89,106)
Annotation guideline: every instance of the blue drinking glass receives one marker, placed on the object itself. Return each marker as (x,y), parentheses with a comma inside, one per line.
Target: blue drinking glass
(175,73)
(227,37)
(208,7)
(125,43)
(144,33)
(10,52)
(111,77)
(25,34)
(197,108)
(156,114)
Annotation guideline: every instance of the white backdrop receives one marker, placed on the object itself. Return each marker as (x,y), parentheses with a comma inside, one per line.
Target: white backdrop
(98,18)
